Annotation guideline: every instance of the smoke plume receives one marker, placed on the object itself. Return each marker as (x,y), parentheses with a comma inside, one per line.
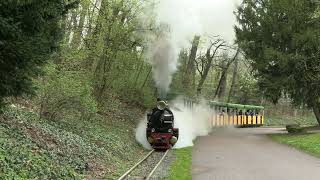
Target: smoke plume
(164,63)
(185,19)
(192,122)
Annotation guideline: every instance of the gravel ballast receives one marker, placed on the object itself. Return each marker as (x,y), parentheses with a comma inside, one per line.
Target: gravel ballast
(162,172)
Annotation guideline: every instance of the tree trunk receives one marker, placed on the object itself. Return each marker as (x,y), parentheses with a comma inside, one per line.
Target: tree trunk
(146,79)
(93,16)
(78,30)
(190,72)
(140,68)
(223,85)
(64,27)
(71,26)
(219,84)
(234,80)
(204,75)
(208,64)
(316,111)
(200,84)
(106,59)
(138,75)
(183,58)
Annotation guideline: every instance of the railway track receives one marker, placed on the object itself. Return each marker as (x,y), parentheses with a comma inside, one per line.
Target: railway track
(147,176)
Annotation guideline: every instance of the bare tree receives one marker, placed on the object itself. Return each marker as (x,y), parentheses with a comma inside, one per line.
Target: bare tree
(190,71)
(204,63)
(224,65)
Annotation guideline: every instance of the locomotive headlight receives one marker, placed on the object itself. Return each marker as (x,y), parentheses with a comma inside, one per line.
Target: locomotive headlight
(169,130)
(153,130)
(173,140)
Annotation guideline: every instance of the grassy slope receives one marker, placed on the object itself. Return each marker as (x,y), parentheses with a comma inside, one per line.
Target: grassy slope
(309,143)
(181,168)
(99,148)
(282,121)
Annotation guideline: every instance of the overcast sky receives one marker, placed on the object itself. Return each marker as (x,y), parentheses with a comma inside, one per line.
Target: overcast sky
(189,17)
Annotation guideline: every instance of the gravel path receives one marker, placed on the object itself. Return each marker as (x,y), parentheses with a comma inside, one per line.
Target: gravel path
(248,154)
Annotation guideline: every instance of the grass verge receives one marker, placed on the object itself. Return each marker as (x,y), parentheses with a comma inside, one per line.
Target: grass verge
(283,120)
(181,167)
(309,143)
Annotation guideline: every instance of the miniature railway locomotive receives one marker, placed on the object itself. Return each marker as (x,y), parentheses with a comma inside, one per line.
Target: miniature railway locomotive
(160,131)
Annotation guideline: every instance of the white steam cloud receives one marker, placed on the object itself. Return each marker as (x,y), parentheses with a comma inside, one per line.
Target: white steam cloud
(141,133)
(164,63)
(192,122)
(185,19)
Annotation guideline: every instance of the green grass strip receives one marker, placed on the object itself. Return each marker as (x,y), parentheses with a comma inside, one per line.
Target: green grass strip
(181,167)
(309,143)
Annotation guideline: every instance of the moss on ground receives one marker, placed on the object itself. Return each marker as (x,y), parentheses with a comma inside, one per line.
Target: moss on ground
(181,167)
(102,147)
(309,143)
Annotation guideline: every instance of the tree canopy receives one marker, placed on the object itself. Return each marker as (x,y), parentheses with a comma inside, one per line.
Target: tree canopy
(282,38)
(30,31)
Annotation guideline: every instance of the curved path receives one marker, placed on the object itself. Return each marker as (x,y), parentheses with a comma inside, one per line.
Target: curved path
(248,154)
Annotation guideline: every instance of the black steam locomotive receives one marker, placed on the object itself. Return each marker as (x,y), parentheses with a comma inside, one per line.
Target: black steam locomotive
(160,131)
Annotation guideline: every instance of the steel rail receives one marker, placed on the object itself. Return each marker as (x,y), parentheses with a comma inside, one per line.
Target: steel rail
(156,167)
(133,167)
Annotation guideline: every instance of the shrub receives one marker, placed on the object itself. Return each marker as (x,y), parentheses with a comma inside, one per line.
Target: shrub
(65,93)
(294,129)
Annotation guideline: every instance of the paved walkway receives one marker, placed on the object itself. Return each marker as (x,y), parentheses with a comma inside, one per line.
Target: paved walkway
(248,154)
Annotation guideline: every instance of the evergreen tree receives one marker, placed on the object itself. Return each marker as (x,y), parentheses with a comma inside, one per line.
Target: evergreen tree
(282,37)
(30,31)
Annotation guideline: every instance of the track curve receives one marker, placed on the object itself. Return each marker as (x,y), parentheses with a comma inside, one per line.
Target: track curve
(149,174)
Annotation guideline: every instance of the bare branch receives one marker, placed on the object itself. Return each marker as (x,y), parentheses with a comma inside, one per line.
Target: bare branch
(197,66)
